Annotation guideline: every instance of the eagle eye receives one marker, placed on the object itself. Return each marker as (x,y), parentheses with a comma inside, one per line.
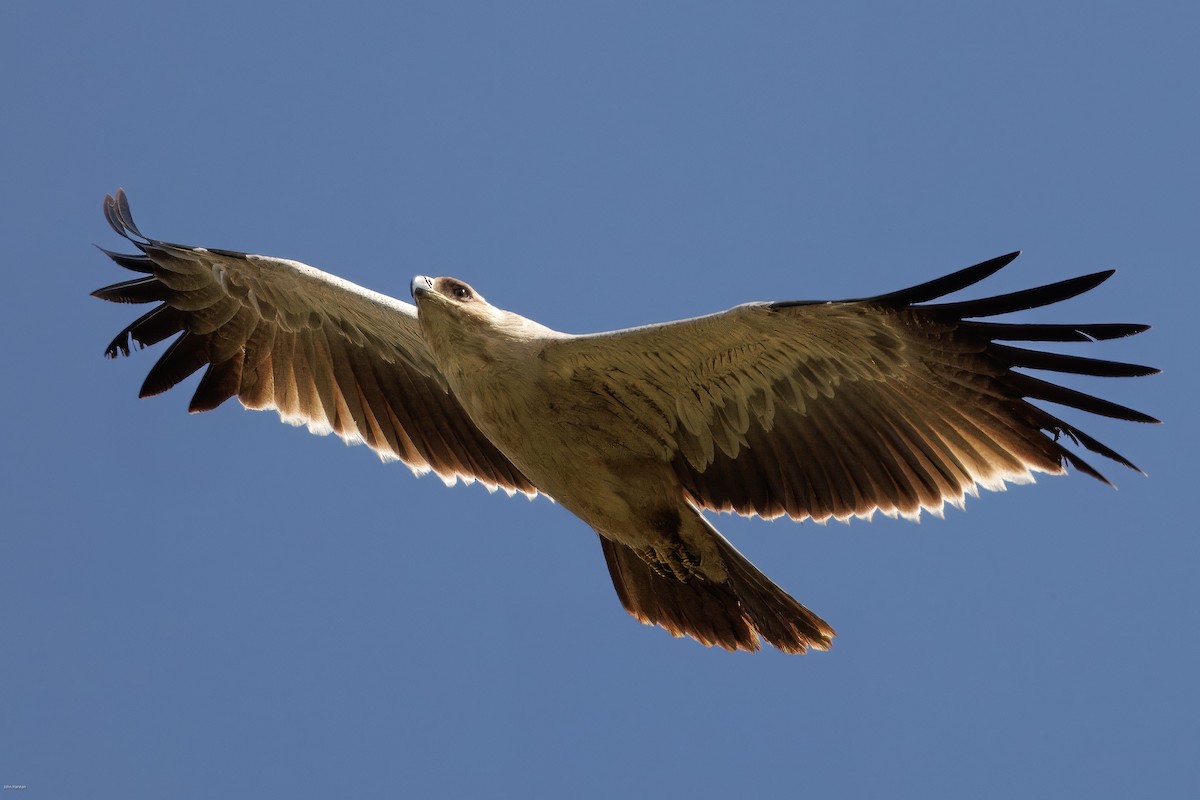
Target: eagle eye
(460,292)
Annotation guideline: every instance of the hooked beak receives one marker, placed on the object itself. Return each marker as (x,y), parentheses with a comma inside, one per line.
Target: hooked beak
(420,285)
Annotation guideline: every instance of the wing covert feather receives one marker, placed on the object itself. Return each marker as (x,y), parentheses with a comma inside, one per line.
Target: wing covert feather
(841,409)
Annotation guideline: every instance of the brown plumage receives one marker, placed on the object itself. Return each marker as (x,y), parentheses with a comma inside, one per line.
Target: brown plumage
(894,403)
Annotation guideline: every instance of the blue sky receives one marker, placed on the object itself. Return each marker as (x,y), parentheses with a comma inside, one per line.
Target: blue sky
(221,605)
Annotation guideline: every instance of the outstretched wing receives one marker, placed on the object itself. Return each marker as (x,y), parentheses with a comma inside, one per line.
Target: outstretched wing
(840,409)
(318,349)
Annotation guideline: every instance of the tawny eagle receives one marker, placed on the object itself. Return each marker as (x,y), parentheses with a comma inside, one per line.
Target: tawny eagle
(893,403)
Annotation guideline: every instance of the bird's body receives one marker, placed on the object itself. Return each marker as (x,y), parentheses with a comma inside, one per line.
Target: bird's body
(809,410)
(576,443)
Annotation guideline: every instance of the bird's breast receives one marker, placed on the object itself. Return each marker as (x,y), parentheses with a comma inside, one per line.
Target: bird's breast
(563,437)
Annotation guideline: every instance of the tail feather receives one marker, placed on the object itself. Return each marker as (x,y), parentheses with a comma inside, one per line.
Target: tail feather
(732,614)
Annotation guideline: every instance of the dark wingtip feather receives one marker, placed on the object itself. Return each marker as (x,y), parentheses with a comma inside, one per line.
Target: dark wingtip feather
(1038,389)
(185,355)
(124,213)
(157,324)
(1087,469)
(1097,446)
(138,290)
(110,215)
(1057,427)
(1039,332)
(930,290)
(219,383)
(1025,299)
(1059,362)
(1120,330)
(137,263)
(948,284)
(119,345)
(120,218)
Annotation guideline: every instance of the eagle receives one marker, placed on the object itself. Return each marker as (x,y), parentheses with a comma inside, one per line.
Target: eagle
(898,403)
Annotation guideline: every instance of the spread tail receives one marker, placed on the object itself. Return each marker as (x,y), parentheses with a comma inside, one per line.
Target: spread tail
(732,613)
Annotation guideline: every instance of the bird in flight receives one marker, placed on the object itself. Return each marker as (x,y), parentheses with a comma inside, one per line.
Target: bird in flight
(895,403)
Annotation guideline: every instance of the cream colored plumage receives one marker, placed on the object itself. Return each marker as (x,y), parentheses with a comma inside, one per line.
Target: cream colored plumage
(809,410)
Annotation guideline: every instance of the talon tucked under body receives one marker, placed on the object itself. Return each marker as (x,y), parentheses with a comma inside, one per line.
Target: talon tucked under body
(674,561)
